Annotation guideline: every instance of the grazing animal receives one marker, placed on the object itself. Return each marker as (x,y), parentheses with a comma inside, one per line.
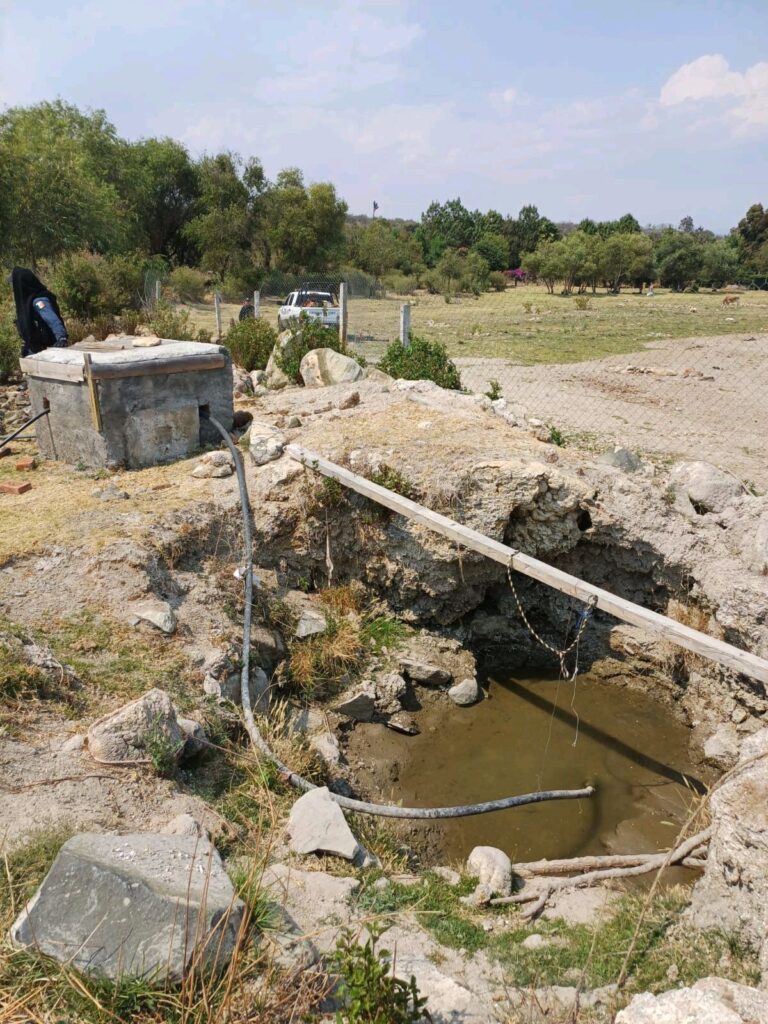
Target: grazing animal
(730,300)
(692,309)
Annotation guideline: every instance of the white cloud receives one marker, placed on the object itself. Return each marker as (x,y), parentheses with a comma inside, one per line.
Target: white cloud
(711,78)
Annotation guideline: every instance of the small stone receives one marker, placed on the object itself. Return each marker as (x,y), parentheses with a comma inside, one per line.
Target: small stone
(327,746)
(317,825)
(424,672)
(487,925)
(722,747)
(447,874)
(390,691)
(109,493)
(157,613)
(621,458)
(492,868)
(293,422)
(466,692)
(350,401)
(359,705)
(534,941)
(73,744)
(266,443)
(185,825)
(402,722)
(311,623)
(195,740)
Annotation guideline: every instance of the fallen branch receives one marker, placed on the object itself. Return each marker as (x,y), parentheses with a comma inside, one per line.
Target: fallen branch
(651,862)
(579,865)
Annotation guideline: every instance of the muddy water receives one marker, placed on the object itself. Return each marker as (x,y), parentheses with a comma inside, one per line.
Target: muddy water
(538,734)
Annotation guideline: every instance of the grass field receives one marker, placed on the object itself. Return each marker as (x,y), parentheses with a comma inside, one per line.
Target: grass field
(525,325)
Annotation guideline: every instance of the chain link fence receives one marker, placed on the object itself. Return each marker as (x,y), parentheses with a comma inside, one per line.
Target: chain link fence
(667,375)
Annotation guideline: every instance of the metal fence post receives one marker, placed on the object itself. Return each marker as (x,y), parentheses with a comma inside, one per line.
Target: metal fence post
(343,313)
(257,304)
(405,324)
(217,309)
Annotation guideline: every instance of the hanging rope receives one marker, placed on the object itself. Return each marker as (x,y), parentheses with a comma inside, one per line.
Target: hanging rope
(560,653)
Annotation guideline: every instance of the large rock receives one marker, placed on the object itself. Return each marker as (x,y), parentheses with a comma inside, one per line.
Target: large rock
(313,904)
(229,688)
(732,895)
(701,487)
(323,366)
(391,690)
(266,443)
(138,906)
(130,733)
(157,613)
(492,868)
(710,1001)
(360,704)
(466,692)
(274,377)
(424,672)
(317,825)
(311,622)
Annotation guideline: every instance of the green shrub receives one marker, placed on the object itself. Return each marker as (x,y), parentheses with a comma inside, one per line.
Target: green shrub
(400,284)
(422,360)
(88,285)
(306,335)
(251,342)
(581,302)
(494,390)
(371,994)
(167,322)
(10,345)
(187,284)
(496,281)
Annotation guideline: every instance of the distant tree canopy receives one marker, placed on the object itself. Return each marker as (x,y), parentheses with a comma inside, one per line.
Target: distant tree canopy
(100,211)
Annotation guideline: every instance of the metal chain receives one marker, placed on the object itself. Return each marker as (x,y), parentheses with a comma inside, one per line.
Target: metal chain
(584,617)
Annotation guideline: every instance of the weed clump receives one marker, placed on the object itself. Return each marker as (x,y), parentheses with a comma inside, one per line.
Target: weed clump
(372,994)
(422,360)
(321,664)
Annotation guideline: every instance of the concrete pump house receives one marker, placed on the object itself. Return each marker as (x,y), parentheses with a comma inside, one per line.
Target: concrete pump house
(122,403)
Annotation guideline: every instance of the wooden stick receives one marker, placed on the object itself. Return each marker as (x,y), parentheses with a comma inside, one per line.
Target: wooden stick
(581,864)
(660,625)
(93,393)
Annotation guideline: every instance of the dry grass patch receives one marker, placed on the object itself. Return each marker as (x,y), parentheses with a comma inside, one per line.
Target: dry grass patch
(320,665)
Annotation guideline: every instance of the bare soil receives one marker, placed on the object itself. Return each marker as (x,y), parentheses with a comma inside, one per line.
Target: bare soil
(675,399)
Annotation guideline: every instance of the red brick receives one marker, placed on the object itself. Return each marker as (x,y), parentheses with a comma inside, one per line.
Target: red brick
(15,488)
(24,464)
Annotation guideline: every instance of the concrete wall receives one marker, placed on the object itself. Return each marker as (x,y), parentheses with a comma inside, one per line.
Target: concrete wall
(146,419)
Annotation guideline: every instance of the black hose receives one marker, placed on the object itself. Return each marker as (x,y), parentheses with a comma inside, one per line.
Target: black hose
(7,440)
(381,810)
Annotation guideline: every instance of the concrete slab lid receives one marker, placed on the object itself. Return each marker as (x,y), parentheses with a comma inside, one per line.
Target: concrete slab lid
(74,356)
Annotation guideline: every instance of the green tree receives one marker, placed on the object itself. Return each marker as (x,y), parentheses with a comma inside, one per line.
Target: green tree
(545,263)
(679,259)
(494,249)
(160,186)
(56,187)
(228,211)
(753,227)
(304,226)
(627,257)
(378,250)
(721,262)
(450,269)
(447,225)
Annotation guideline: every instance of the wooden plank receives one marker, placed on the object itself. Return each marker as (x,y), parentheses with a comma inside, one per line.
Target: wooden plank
(93,393)
(217,311)
(51,371)
(660,625)
(153,367)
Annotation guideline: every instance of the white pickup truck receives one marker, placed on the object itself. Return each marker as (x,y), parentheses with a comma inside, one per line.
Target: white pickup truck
(316,305)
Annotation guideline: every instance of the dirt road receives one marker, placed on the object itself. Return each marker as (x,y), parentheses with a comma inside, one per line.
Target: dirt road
(704,398)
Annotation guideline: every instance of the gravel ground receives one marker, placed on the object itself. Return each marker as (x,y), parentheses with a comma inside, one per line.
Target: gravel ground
(703,398)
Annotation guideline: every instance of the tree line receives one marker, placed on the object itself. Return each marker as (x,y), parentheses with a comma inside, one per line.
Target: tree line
(98,211)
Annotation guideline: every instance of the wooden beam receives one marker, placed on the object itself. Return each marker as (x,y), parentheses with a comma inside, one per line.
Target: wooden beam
(660,625)
(153,367)
(51,370)
(93,392)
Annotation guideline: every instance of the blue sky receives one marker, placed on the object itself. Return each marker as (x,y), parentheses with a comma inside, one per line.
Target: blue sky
(586,109)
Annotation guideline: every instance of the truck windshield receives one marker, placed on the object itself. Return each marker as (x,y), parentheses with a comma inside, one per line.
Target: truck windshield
(314,298)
